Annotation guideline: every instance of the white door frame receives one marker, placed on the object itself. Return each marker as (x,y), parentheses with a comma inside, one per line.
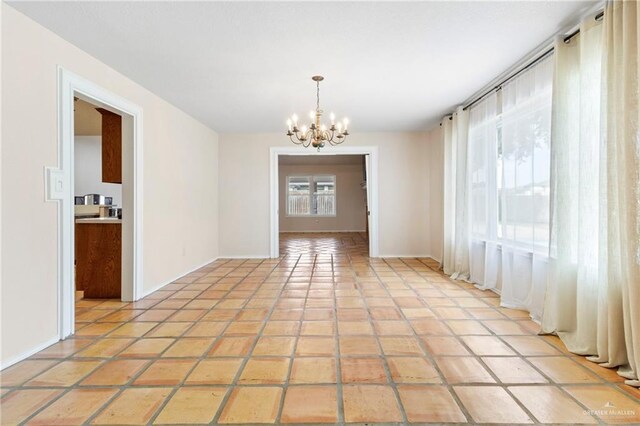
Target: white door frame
(372,187)
(60,182)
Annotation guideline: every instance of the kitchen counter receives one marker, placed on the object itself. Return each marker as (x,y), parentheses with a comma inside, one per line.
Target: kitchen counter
(98,220)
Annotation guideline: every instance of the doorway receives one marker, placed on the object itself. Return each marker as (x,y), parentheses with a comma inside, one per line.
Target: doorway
(322,203)
(61,187)
(98,202)
(306,195)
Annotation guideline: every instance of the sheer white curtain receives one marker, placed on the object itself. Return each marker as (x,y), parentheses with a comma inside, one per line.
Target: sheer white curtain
(509,136)
(483,167)
(455,259)
(593,294)
(523,224)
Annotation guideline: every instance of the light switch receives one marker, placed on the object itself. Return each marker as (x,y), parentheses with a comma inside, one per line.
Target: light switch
(54,181)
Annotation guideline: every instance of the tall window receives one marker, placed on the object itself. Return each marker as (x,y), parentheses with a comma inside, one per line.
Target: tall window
(509,147)
(525,157)
(311,195)
(483,135)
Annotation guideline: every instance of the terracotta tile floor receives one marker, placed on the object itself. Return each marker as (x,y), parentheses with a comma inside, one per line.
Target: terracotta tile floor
(324,334)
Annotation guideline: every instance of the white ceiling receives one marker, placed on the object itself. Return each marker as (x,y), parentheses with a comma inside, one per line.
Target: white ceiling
(246,66)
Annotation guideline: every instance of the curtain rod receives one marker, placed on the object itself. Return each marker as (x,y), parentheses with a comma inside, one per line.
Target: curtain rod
(568,38)
(533,62)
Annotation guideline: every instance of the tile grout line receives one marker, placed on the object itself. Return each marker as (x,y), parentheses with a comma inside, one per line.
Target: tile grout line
(338,354)
(291,358)
(428,355)
(525,359)
(248,288)
(203,356)
(498,382)
(390,382)
(129,383)
(234,385)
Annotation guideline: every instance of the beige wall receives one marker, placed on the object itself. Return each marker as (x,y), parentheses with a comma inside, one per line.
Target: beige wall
(350,199)
(180,181)
(435,202)
(403,176)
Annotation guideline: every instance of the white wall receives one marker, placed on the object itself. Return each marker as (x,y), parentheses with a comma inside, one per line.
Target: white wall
(403,179)
(350,199)
(88,170)
(180,181)
(435,200)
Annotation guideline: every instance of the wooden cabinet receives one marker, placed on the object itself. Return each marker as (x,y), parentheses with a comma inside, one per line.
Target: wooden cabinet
(111,146)
(99,260)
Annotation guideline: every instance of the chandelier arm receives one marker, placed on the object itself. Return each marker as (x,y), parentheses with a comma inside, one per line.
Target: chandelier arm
(332,134)
(294,141)
(333,139)
(306,141)
(303,142)
(339,140)
(329,135)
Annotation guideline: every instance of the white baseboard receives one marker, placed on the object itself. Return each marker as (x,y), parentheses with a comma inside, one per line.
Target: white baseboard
(322,232)
(27,354)
(404,256)
(158,287)
(259,256)
(56,339)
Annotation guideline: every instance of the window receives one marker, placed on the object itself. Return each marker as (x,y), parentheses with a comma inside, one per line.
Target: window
(525,134)
(311,195)
(509,154)
(483,168)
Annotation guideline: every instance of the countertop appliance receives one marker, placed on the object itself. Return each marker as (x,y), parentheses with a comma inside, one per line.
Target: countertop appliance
(93,200)
(96,205)
(115,212)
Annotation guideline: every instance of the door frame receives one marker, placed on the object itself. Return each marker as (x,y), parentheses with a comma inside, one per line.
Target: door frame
(62,182)
(372,187)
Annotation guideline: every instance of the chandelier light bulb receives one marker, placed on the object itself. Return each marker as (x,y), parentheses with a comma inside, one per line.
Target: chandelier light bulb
(323,127)
(312,115)
(304,130)
(346,123)
(332,116)
(289,124)
(294,117)
(339,127)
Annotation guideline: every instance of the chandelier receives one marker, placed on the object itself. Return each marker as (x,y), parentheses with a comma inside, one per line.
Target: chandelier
(317,134)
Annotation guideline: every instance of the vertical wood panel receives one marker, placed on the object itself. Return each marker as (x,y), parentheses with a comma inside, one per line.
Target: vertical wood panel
(111,146)
(99,260)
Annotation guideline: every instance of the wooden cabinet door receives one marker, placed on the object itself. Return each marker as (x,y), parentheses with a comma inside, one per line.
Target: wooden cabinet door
(99,260)
(111,146)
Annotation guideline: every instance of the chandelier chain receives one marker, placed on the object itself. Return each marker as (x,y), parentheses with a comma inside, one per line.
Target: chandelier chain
(318,96)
